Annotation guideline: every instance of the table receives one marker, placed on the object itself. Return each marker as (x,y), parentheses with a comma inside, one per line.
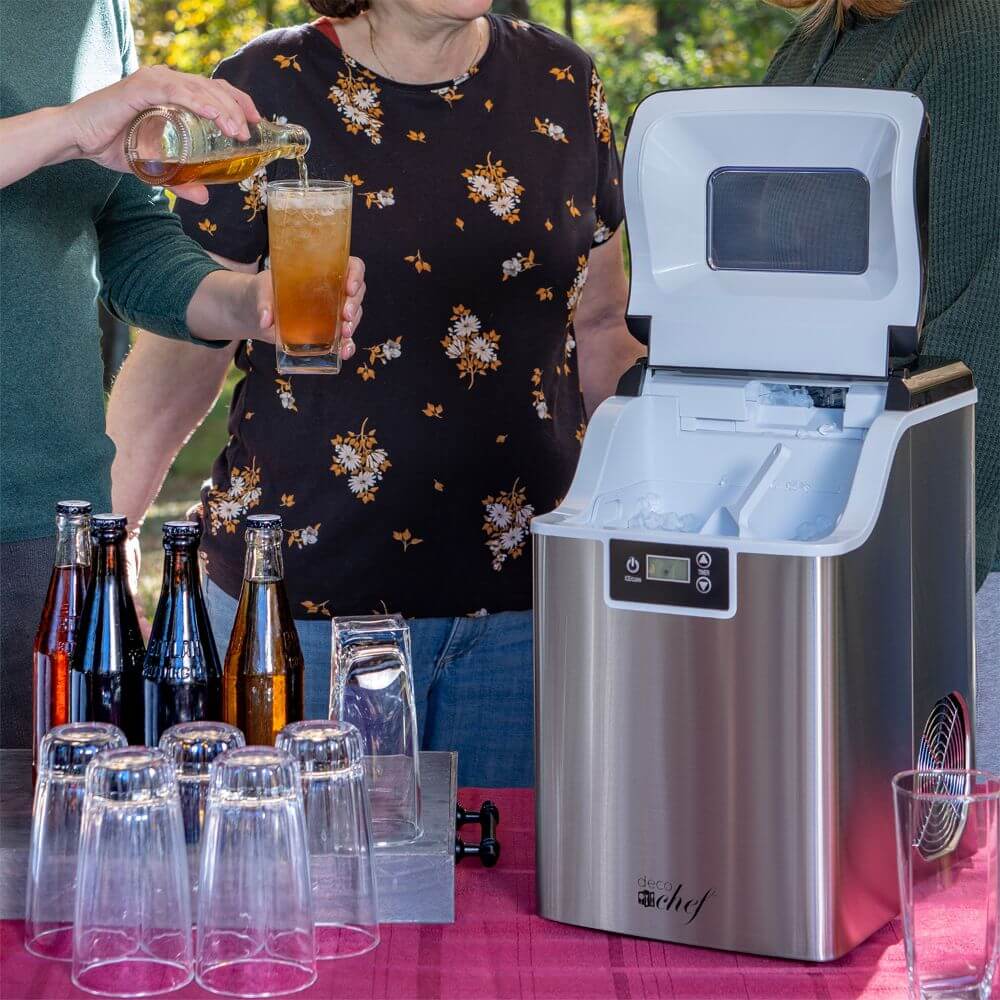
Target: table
(499,948)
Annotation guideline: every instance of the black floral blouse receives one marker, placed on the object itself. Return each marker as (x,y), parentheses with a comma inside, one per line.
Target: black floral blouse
(408,482)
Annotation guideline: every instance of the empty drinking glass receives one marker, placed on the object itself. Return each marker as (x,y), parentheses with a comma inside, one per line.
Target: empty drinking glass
(55,833)
(192,746)
(132,934)
(338,830)
(948,853)
(255,921)
(371,686)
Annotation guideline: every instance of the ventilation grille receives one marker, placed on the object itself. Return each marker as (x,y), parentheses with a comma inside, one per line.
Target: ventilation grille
(944,746)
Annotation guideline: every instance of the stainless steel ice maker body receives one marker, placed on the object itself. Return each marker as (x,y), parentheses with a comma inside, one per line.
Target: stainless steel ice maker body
(725,783)
(755,604)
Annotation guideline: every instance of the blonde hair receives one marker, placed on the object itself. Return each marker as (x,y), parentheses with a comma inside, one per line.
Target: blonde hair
(818,10)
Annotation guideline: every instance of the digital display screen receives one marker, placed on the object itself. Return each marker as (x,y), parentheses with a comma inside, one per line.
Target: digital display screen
(672,569)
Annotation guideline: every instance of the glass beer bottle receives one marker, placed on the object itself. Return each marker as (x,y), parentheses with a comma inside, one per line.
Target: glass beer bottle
(262,675)
(106,678)
(57,629)
(182,674)
(171,145)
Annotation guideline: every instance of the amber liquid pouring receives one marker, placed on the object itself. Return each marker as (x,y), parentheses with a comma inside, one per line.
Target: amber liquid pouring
(53,651)
(218,170)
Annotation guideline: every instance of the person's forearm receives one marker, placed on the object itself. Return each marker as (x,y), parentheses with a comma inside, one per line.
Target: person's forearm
(161,395)
(37,139)
(606,353)
(225,306)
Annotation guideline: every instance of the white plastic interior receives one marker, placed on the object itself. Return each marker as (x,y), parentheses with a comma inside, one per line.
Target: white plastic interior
(828,324)
(733,466)
(729,465)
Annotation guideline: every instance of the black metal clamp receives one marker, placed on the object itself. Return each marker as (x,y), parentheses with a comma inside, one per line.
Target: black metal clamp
(488,848)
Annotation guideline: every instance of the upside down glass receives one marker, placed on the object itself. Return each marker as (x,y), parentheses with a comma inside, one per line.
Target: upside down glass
(255,920)
(371,687)
(132,926)
(63,757)
(339,831)
(309,236)
(192,746)
(948,857)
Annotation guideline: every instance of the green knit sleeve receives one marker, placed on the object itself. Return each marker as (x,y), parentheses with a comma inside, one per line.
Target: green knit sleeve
(962,94)
(149,269)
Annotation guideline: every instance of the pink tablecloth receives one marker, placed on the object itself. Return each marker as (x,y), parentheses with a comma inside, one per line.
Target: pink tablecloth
(499,948)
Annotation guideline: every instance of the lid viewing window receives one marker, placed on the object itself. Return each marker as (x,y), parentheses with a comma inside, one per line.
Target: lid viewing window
(808,221)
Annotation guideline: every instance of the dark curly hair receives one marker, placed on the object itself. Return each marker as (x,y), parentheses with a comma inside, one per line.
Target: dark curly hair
(340,8)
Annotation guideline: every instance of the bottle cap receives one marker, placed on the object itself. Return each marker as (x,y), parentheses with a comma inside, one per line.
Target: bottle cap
(73,508)
(267,521)
(108,526)
(181,531)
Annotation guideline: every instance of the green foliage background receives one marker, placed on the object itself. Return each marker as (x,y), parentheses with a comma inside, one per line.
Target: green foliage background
(639,46)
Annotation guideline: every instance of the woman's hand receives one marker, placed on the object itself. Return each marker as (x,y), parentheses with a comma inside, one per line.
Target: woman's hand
(96,124)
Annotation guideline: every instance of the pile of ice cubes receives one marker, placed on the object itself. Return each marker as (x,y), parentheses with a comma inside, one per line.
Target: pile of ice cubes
(650,515)
(772,394)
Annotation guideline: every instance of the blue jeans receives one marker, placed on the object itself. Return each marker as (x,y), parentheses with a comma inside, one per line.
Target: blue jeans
(473,680)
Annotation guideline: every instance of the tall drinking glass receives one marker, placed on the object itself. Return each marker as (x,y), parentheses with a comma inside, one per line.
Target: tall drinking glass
(339,831)
(192,746)
(371,687)
(63,757)
(309,233)
(255,920)
(132,927)
(948,854)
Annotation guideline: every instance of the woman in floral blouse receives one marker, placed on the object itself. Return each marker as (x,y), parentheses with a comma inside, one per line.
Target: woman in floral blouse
(487,209)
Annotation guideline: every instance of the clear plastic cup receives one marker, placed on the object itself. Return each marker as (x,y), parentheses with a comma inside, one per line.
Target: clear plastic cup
(948,857)
(339,833)
(371,687)
(255,920)
(63,757)
(192,746)
(132,933)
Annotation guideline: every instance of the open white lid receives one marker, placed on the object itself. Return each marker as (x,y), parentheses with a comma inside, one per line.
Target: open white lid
(775,229)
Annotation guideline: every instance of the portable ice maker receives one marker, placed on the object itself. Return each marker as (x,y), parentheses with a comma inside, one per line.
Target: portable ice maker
(755,604)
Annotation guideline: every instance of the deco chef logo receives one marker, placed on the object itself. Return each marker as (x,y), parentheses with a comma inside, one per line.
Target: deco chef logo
(659,895)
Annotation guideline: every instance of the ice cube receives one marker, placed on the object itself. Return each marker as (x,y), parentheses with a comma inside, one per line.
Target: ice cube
(691,523)
(784,395)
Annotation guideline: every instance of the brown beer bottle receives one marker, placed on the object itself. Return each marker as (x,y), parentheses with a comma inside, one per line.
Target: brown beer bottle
(182,674)
(106,679)
(57,629)
(262,675)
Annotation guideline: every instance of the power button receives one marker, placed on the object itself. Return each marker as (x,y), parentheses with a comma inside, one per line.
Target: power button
(632,565)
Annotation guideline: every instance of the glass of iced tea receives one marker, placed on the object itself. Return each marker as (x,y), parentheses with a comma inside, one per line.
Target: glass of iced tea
(309,232)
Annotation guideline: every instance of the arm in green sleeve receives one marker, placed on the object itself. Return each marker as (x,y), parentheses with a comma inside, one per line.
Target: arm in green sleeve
(149,268)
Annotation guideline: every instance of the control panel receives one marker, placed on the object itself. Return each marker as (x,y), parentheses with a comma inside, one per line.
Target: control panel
(683,576)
